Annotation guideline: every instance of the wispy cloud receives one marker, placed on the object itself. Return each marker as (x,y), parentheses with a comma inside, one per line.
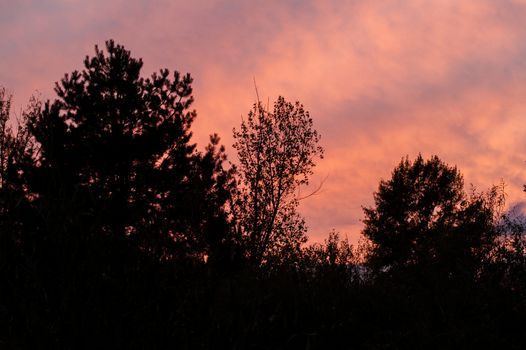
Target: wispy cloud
(381,79)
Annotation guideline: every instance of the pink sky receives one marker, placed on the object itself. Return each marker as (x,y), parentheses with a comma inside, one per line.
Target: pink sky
(382,79)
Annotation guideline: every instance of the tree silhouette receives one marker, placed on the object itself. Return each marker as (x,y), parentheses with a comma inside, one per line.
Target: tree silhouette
(17,151)
(120,144)
(18,222)
(422,216)
(101,192)
(17,147)
(276,152)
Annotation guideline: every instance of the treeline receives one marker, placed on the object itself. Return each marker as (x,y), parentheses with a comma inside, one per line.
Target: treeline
(116,232)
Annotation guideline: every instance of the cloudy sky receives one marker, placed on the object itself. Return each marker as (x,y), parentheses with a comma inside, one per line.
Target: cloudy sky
(382,79)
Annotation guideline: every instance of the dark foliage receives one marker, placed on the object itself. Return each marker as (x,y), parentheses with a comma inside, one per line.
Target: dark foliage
(115,233)
(276,152)
(423,218)
(102,191)
(119,146)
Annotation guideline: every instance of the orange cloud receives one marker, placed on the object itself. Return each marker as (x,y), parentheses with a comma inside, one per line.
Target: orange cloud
(381,79)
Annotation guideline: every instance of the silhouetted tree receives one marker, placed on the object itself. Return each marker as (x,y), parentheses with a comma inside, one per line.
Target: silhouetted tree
(508,266)
(17,147)
(17,151)
(119,145)
(423,217)
(18,222)
(276,152)
(115,189)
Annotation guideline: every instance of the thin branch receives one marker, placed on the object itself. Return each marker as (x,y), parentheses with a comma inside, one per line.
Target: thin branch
(257,93)
(316,191)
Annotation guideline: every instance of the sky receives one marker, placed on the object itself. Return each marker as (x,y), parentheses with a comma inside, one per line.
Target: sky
(382,79)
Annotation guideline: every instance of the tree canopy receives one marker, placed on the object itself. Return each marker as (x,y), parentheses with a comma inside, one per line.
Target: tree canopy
(422,215)
(122,143)
(276,152)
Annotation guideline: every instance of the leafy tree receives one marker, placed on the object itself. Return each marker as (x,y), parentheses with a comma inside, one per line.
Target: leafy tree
(276,152)
(118,145)
(423,217)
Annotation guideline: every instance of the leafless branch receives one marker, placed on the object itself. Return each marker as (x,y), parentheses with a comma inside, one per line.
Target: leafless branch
(315,192)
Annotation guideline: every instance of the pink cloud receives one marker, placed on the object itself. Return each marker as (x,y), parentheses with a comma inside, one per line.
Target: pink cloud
(381,79)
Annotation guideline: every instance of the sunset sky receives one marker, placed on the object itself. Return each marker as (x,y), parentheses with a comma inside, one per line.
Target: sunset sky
(381,79)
